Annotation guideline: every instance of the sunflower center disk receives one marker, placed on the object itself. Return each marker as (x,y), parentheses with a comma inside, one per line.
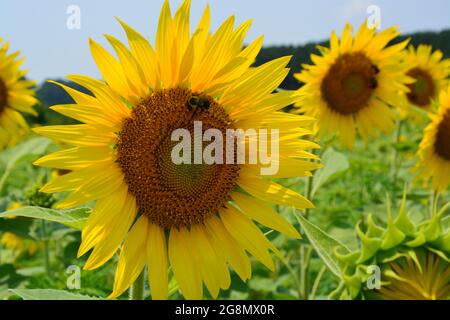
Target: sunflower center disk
(173,195)
(423,90)
(442,144)
(3,96)
(349,84)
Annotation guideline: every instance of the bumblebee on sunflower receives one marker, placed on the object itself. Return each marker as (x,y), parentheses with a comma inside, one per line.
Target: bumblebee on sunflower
(352,85)
(16,96)
(414,260)
(197,219)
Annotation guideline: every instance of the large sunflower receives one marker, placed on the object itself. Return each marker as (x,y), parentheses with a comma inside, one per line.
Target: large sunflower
(16,96)
(434,150)
(196,218)
(430,73)
(353,83)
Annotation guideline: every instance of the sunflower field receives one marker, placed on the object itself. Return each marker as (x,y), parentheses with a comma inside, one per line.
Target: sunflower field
(337,189)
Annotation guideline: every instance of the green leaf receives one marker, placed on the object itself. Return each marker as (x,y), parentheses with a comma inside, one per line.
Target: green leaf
(27,151)
(334,163)
(73,218)
(19,227)
(9,276)
(50,294)
(324,244)
(446,223)
(265,285)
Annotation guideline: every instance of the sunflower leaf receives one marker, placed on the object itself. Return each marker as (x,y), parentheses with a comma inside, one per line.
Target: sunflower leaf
(324,244)
(73,218)
(334,163)
(50,294)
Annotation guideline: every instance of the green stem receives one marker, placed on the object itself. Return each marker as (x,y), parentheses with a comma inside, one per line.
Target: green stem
(310,183)
(1,248)
(305,257)
(335,294)
(137,289)
(395,164)
(285,261)
(434,203)
(46,249)
(317,282)
(309,188)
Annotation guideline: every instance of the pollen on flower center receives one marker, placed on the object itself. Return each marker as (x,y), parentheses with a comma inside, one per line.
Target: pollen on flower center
(442,144)
(3,96)
(350,83)
(171,195)
(423,90)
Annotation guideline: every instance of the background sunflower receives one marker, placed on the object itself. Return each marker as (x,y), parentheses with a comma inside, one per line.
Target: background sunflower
(353,84)
(430,72)
(16,96)
(434,152)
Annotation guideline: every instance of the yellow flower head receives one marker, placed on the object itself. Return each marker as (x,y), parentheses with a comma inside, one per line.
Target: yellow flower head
(352,84)
(197,218)
(12,241)
(430,73)
(16,96)
(434,153)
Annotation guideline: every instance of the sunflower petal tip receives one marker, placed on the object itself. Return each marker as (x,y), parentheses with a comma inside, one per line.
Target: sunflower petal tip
(112,296)
(37,163)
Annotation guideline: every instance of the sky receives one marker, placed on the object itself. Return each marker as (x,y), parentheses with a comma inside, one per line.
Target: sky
(52,50)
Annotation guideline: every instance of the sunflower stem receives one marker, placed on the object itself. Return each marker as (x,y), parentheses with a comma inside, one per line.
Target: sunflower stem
(317,282)
(395,162)
(46,249)
(305,258)
(335,294)
(309,188)
(434,203)
(137,289)
(310,181)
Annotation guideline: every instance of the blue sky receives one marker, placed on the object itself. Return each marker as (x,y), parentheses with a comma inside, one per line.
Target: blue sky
(39,29)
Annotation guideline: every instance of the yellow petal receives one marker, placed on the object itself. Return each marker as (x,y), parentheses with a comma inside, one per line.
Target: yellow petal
(212,266)
(109,99)
(77,96)
(111,69)
(98,186)
(273,192)
(232,251)
(157,262)
(264,215)
(144,55)
(181,256)
(114,234)
(132,258)
(76,158)
(79,135)
(247,235)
